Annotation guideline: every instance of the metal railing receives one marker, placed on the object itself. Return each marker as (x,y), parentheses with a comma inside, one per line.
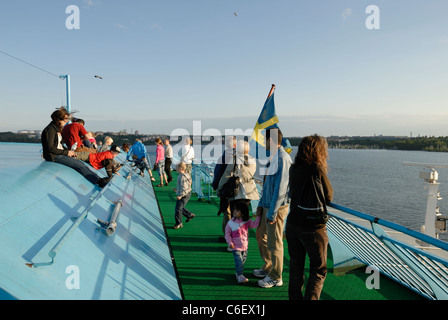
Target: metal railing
(411,258)
(202,177)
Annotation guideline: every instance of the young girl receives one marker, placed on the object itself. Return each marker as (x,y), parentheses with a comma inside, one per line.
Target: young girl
(237,236)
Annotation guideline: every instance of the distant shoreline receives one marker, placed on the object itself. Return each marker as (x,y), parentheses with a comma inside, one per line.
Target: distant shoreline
(434,144)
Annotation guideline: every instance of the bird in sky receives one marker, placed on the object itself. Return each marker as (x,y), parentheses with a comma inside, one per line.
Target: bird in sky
(98,77)
(236,15)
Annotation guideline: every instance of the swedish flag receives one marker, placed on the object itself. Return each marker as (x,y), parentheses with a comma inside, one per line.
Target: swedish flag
(268,119)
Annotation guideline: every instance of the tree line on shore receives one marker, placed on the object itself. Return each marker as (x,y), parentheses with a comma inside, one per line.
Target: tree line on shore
(424,143)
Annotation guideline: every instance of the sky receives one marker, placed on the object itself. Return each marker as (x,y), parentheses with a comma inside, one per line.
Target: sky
(339,69)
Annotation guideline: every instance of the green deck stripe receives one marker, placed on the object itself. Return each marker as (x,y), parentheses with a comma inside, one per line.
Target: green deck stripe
(206,269)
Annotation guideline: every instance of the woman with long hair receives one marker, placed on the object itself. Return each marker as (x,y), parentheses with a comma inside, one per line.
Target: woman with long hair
(306,232)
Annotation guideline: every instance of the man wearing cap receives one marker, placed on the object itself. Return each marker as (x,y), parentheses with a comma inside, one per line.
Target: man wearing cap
(101,159)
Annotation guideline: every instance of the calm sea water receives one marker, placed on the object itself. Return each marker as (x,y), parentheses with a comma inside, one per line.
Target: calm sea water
(376,182)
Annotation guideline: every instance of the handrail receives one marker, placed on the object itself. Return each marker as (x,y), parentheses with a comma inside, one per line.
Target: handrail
(412,266)
(420,236)
(113,221)
(202,172)
(53,252)
(111,226)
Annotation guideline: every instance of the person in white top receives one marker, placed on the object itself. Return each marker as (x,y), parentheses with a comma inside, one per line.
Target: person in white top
(187,154)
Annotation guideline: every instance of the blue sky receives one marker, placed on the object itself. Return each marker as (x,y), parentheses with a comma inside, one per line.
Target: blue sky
(167,63)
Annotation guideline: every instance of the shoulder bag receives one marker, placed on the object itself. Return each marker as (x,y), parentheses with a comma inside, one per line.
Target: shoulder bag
(231,188)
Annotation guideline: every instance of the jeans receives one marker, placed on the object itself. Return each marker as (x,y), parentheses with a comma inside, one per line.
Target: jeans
(181,210)
(142,164)
(240,258)
(78,166)
(313,242)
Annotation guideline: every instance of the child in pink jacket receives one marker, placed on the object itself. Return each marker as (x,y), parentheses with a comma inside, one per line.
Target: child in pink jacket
(237,237)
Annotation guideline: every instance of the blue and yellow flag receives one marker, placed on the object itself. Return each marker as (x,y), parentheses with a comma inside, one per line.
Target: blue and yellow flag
(268,119)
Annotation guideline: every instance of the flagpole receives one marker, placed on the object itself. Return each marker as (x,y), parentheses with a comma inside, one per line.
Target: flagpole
(271,91)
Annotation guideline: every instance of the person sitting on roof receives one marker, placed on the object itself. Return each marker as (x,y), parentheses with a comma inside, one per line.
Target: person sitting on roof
(91,142)
(54,151)
(106,145)
(138,154)
(74,134)
(102,160)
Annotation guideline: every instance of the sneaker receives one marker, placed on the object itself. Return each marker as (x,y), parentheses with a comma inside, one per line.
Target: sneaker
(241,279)
(190,217)
(260,273)
(177,226)
(269,283)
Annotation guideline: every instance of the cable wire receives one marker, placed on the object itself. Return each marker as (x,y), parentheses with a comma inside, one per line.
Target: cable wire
(29,64)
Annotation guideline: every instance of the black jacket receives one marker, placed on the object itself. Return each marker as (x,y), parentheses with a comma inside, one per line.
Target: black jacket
(49,141)
(299,174)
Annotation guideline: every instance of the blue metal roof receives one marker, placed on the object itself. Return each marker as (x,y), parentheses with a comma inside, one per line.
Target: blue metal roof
(40,202)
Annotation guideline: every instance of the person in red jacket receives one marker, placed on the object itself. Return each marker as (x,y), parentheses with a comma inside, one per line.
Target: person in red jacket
(76,133)
(101,159)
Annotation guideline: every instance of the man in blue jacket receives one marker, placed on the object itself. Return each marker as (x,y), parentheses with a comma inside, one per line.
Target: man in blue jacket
(273,208)
(138,155)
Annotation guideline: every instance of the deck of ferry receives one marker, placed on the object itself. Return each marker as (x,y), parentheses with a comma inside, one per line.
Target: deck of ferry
(206,269)
(49,208)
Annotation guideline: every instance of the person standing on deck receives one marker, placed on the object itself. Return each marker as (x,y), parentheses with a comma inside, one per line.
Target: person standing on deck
(183,192)
(221,165)
(306,230)
(168,160)
(187,155)
(237,236)
(244,167)
(160,162)
(273,208)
